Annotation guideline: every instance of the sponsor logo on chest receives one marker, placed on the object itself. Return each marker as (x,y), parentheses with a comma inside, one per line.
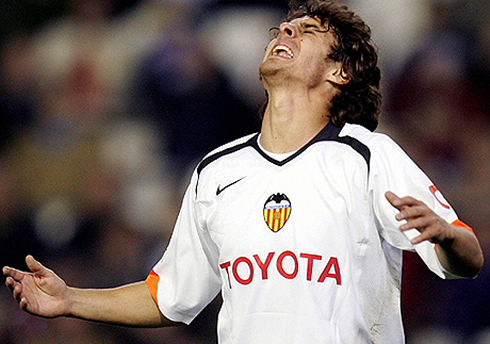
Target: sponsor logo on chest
(287,264)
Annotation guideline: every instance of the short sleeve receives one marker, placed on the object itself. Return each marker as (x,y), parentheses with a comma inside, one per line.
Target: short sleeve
(186,278)
(392,170)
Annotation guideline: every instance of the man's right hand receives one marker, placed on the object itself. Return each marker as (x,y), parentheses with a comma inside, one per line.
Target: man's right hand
(40,292)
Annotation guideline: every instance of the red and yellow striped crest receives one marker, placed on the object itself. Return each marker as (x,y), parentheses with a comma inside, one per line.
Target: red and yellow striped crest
(277,210)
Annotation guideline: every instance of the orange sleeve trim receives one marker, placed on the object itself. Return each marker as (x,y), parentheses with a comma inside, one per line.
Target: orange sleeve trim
(152,282)
(461,224)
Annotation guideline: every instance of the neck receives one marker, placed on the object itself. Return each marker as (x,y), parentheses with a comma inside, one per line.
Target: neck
(290,122)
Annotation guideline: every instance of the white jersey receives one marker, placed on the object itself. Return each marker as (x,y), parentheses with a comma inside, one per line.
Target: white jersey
(304,250)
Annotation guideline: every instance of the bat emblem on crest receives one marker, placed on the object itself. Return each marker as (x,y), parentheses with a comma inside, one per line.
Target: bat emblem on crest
(277,210)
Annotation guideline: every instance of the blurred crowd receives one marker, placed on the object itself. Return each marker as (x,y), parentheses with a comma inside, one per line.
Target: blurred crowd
(106,106)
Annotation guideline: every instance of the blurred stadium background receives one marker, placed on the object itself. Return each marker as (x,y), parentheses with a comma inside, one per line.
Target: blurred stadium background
(107,105)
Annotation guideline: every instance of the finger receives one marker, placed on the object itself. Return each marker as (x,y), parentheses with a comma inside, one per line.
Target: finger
(393,199)
(24,304)
(408,213)
(36,267)
(424,236)
(17,292)
(401,202)
(6,271)
(16,288)
(13,273)
(10,283)
(412,224)
(398,203)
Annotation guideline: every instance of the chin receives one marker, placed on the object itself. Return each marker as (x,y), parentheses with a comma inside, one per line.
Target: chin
(268,69)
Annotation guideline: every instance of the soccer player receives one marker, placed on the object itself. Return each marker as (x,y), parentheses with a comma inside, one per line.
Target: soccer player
(302,226)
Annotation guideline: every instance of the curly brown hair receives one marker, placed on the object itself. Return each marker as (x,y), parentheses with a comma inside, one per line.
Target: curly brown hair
(359,101)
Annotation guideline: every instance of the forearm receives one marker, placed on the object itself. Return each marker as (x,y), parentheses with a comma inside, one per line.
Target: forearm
(461,254)
(129,305)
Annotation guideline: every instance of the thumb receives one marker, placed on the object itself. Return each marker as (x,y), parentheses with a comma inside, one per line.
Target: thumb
(37,268)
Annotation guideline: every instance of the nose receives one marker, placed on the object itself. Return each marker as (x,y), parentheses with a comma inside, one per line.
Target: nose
(288,29)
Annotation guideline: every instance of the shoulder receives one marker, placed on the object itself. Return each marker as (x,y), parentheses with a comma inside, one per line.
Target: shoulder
(226,150)
(380,147)
(376,142)
(235,144)
(366,136)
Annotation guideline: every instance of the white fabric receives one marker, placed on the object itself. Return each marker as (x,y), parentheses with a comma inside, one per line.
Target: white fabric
(275,156)
(331,274)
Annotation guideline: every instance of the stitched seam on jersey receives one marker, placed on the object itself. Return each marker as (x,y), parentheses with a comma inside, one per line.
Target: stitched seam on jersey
(205,162)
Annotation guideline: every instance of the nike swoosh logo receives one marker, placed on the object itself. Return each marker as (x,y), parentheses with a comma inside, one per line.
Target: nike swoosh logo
(220,190)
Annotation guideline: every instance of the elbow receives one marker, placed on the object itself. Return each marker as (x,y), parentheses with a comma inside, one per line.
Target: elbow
(478,266)
(464,257)
(478,262)
(463,266)
(474,266)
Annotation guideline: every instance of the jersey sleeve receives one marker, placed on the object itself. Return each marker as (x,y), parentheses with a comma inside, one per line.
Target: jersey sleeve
(392,169)
(186,278)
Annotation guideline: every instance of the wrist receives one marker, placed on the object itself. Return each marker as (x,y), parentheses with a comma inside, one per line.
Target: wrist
(72,299)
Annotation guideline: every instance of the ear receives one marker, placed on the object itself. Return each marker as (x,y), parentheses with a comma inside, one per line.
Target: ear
(337,75)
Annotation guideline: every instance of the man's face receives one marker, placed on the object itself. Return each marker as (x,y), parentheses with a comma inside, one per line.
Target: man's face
(299,53)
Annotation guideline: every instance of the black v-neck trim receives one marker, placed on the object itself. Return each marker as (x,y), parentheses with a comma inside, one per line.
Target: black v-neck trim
(329,133)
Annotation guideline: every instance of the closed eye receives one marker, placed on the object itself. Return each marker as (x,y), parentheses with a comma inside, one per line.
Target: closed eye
(310,28)
(273,32)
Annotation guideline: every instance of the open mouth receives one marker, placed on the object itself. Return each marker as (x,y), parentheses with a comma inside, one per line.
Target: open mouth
(282,51)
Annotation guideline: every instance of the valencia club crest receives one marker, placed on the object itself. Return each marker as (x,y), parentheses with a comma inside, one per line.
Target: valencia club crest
(277,210)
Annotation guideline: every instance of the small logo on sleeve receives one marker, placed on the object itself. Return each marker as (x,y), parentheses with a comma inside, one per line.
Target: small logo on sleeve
(439,197)
(277,210)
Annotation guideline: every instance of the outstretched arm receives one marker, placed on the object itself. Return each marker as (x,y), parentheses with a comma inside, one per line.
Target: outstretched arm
(458,249)
(41,292)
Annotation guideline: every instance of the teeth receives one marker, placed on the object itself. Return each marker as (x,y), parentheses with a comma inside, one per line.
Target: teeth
(282,50)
